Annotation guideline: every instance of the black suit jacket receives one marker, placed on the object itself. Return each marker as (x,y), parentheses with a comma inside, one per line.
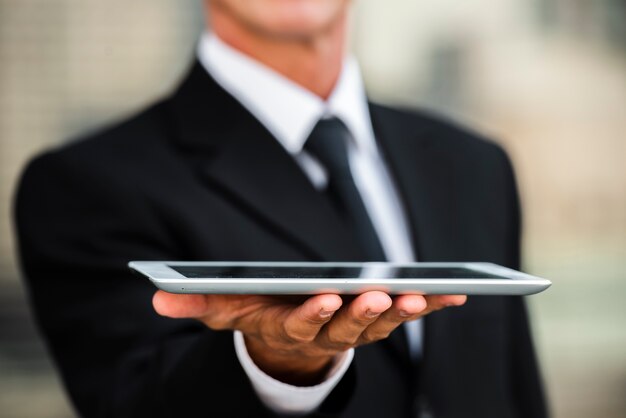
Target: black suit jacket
(197,177)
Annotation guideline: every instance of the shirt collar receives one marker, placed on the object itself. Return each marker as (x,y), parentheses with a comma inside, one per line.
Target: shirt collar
(286,109)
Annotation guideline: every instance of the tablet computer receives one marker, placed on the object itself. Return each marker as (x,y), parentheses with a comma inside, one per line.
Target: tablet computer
(307,278)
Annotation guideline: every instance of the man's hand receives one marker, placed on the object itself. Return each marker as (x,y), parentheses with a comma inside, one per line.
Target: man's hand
(294,339)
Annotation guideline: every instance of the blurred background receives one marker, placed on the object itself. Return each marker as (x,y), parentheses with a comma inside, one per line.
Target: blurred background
(546,78)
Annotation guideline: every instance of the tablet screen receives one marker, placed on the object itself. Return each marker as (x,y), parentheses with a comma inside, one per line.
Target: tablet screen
(331,272)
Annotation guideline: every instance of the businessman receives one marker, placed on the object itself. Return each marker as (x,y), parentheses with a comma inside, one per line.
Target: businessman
(269,150)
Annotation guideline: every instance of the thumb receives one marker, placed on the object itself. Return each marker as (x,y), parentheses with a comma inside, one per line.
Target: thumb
(179,306)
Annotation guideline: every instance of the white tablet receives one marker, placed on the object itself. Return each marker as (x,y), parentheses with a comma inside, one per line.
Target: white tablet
(278,278)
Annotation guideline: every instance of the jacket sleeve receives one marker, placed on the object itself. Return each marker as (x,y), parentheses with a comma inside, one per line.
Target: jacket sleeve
(77,229)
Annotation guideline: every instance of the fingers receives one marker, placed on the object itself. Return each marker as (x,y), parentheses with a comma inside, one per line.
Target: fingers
(407,308)
(304,322)
(437,302)
(348,324)
(404,308)
(179,306)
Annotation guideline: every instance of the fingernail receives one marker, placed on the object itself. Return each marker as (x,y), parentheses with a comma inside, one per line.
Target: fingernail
(404,314)
(325,314)
(371,314)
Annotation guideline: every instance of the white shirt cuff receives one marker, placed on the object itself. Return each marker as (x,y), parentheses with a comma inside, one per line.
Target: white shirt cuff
(283,398)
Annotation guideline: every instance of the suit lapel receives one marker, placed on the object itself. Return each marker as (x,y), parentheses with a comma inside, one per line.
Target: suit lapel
(425,179)
(261,176)
(236,155)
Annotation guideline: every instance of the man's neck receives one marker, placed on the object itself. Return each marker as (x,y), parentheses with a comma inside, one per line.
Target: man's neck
(314,63)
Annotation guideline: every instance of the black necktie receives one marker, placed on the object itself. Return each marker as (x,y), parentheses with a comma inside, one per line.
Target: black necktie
(328,143)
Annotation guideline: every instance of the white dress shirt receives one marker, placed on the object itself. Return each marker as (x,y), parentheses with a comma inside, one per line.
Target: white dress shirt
(290,112)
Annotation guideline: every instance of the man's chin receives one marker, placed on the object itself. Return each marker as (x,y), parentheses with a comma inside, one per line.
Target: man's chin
(286,19)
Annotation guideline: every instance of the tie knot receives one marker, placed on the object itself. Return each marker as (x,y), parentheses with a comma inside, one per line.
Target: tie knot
(328,142)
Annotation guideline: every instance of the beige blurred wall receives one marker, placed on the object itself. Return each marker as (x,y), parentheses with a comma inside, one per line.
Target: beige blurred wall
(546,78)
